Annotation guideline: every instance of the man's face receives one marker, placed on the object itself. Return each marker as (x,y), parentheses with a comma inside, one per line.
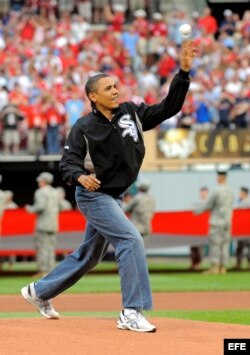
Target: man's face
(203,194)
(106,95)
(221,179)
(243,195)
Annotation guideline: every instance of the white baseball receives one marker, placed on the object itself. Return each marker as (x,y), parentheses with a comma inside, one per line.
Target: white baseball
(185,30)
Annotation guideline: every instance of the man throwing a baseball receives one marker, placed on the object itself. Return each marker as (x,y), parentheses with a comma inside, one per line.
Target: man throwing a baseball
(102,157)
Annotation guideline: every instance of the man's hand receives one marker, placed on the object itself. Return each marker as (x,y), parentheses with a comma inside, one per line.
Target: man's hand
(90,182)
(188,52)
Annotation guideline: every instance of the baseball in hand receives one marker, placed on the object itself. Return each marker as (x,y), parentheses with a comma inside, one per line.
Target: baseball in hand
(185,31)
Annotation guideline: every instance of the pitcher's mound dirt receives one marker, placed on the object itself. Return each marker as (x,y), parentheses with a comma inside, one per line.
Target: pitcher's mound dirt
(82,336)
(99,336)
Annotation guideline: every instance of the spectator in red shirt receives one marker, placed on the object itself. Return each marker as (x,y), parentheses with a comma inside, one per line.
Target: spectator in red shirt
(3,56)
(158,32)
(36,127)
(116,19)
(151,96)
(158,28)
(141,23)
(166,66)
(67,58)
(26,27)
(141,27)
(17,96)
(208,22)
(228,56)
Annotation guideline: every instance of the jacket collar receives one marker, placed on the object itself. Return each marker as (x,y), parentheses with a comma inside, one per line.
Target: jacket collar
(99,115)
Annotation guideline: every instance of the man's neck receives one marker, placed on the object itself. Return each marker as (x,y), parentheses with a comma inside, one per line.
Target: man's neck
(106,113)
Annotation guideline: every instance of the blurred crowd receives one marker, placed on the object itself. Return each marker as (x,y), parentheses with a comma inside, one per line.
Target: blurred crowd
(48,51)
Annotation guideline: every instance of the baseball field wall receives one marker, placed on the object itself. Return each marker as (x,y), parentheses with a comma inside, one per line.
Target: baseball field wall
(180,223)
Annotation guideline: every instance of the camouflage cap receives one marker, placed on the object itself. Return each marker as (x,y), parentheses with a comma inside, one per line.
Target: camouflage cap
(46,177)
(143,185)
(222,172)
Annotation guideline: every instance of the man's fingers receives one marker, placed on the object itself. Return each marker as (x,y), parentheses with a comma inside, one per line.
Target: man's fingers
(94,179)
(92,183)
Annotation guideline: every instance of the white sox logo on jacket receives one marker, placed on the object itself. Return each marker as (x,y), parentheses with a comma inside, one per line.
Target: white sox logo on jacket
(129,127)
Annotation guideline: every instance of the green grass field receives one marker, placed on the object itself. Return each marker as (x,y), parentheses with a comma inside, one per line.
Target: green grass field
(164,278)
(222,316)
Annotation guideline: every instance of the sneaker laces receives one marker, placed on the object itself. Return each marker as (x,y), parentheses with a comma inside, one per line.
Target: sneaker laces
(45,304)
(136,318)
(136,315)
(141,317)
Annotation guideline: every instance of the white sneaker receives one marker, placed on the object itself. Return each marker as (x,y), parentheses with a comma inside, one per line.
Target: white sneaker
(44,307)
(131,319)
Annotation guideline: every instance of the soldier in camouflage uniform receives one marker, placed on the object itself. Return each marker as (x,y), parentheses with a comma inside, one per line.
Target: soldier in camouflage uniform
(220,205)
(141,208)
(2,208)
(196,250)
(46,206)
(65,205)
(243,244)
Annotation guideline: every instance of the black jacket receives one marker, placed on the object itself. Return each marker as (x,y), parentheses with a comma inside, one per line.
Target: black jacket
(114,150)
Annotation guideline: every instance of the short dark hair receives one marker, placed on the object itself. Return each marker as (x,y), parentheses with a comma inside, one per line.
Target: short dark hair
(245,189)
(91,84)
(204,188)
(222,172)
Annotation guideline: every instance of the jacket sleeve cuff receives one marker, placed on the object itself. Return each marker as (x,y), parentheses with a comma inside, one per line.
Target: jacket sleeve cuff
(184,74)
(76,176)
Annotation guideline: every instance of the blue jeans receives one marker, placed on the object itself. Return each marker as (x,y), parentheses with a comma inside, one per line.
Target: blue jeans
(106,223)
(52,140)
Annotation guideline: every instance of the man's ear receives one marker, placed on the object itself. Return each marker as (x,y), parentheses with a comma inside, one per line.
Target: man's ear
(92,97)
